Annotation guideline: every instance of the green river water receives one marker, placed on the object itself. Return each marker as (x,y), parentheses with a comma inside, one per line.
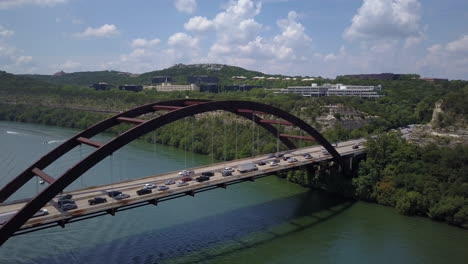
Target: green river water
(269,221)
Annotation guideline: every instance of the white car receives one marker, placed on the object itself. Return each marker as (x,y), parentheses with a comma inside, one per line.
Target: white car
(291,160)
(186,173)
(229,169)
(41,212)
(163,188)
(325,152)
(273,164)
(149,186)
(169,182)
(180,184)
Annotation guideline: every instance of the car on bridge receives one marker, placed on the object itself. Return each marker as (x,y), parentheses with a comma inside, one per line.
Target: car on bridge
(122,196)
(169,182)
(261,163)
(97,200)
(226,173)
(186,179)
(113,193)
(180,184)
(279,155)
(356,146)
(246,167)
(67,207)
(292,160)
(41,212)
(67,201)
(149,186)
(163,187)
(307,156)
(202,178)
(144,191)
(186,173)
(273,164)
(207,173)
(324,152)
(65,197)
(271,155)
(229,169)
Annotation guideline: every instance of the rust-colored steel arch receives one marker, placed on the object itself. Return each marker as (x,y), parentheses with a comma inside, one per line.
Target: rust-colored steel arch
(180,109)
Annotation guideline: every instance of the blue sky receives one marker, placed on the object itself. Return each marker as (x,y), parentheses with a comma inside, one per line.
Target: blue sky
(290,37)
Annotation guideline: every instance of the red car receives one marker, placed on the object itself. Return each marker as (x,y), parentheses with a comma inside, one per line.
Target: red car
(186,179)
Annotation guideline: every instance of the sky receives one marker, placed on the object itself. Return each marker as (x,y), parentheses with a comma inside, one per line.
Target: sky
(290,37)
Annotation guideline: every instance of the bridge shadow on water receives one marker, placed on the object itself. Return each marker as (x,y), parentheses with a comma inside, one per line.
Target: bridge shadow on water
(216,236)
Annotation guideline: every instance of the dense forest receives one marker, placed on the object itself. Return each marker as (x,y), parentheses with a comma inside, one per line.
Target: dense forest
(426,180)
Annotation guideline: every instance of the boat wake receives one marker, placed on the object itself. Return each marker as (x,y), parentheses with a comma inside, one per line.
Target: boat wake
(12,132)
(54,141)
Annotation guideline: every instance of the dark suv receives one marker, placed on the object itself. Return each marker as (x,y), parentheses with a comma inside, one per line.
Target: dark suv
(65,197)
(68,201)
(207,173)
(202,178)
(113,193)
(97,200)
(144,191)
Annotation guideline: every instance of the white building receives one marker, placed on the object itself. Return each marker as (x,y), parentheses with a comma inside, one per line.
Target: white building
(167,87)
(334,90)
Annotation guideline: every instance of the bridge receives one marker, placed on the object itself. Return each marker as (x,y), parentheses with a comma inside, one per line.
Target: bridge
(21,216)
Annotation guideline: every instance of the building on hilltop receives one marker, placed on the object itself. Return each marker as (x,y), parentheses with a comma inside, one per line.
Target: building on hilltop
(161,79)
(131,87)
(334,90)
(240,87)
(379,76)
(202,79)
(167,87)
(434,80)
(101,86)
(209,87)
(240,77)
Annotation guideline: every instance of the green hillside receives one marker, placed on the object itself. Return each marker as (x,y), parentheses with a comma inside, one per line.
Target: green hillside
(86,78)
(178,72)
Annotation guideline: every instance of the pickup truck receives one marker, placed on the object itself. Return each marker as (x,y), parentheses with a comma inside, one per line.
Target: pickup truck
(246,167)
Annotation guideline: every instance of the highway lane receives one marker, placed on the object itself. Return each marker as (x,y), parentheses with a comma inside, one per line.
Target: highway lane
(130,187)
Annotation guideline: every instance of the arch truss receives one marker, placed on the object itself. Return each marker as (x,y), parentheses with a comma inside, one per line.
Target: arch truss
(175,110)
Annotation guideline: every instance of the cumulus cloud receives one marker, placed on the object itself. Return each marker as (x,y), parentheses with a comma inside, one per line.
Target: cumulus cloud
(458,46)
(5,4)
(237,23)
(105,30)
(5,32)
(145,43)
(182,40)
(186,6)
(450,59)
(386,19)
(199,24)
(12,59)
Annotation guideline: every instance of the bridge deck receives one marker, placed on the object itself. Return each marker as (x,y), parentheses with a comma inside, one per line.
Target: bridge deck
(85,210)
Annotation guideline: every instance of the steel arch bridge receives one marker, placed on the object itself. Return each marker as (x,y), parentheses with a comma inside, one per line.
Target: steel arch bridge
(177,109)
